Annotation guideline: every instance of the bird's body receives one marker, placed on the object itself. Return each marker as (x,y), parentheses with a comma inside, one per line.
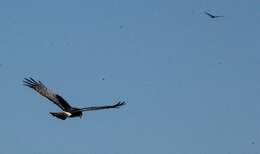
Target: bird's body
(68,111)
(65,114)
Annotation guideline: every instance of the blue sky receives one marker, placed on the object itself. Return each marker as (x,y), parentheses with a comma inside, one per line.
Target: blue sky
(191,83)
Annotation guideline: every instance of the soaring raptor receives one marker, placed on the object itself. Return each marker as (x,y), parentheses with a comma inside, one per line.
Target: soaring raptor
(211,15)
(68,110)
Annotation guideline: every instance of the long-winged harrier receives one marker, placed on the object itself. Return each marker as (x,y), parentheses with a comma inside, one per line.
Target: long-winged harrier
(211,15)
(68,111)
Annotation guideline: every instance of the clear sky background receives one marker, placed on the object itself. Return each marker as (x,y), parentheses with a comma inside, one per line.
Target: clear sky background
(192,83)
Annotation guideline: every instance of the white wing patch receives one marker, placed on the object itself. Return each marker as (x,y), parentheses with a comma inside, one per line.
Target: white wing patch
(67,113)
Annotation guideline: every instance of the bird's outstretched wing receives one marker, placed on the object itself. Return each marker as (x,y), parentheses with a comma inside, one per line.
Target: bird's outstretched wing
(218,16)
(43,90)
(103,107)
(212,16)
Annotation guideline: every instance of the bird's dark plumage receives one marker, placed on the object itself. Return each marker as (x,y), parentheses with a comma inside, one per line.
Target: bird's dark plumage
(68,111)
(212,16)
(60,115)
(42,89)
(103,107)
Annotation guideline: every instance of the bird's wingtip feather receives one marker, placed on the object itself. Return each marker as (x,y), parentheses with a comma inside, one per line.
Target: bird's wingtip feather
(118,104)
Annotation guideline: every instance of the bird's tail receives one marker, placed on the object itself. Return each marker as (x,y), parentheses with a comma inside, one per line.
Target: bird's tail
(60,115)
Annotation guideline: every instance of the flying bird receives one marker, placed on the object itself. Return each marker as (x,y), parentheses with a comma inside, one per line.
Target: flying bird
(67,110)
(212,16)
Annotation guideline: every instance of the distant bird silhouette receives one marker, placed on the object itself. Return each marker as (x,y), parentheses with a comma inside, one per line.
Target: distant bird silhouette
(212,16)
(68,111)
